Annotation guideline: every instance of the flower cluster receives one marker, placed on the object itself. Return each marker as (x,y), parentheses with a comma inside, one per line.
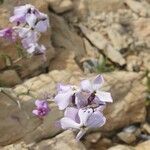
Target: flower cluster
(42,108)
(29,23)
(83,106)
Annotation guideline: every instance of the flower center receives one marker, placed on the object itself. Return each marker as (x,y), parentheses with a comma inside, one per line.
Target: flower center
(42,111)
(91,98)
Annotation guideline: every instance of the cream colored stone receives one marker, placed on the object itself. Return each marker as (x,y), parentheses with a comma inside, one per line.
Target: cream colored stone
(20,89)
(65,140)
(18,146)
(45,78)
(58,76)
(143,146)
(60,6)
(37,84)
(127,137)
(103,44)
(121,147)
(146,127)
(140,7)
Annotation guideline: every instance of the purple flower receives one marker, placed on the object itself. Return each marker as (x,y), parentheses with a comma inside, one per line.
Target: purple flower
(82,119)
(20,13)
(84,99)
(8,33)
(93,87)
(43,23)
(28,14)
(29,40)
(66,95)
(36,48)
(42,108)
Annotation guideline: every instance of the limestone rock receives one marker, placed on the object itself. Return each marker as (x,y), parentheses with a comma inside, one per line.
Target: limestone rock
(63,37)
(118,36)
(93,137)
(90,50)
(127,137)
(17,146)
(19,123)
(60,6)
(145,57)
(9,78)
(103,143)
(142,30)
(121,147)
(129,98)
(143,146)
(102,44)
(134,63)
(16,112)
(65,140)
(97,6)
(64,60)
(140,7)
(146,127)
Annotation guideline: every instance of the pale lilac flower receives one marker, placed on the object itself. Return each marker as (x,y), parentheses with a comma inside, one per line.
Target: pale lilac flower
(30,23)
(28,14)
(93,87)
(8,33)
(20,13)
(36,49)
(65,95)
(83,99)
(29,40)
(42,108)
(43,23)
(82,119)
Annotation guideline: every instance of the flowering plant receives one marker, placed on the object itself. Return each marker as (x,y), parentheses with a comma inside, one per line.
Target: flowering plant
(28,24)
(83,105)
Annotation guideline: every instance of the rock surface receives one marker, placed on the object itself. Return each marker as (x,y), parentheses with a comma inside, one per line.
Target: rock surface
(60,6)
(102,44)
(66,140)
(25,126)
(143,146)
(127,137)
(125,102)
(9,78)
(121,147)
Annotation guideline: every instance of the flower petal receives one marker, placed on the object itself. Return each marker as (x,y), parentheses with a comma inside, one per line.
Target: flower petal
(42,26)
(72,113)
(38,103)
(67,123)
(35,112)
(98,82)
(84,114)
(41,103)
(17,19)
(81,99)
(96,120)
(63,88)
(104,96)
(86,85)
(31,49)
(63,99)
(31,20)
